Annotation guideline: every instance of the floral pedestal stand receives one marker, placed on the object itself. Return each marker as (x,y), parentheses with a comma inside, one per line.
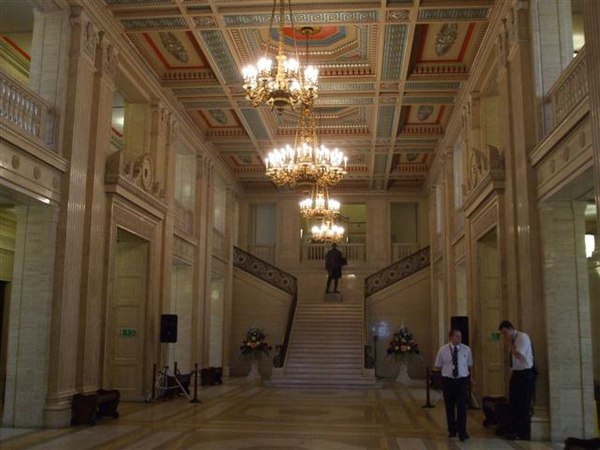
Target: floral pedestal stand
(254,373)
(403,377)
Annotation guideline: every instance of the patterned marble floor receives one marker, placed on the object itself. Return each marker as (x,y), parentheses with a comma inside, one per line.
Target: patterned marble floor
(239,416)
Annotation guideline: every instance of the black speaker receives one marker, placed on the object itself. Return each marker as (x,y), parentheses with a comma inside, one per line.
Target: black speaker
(461,323)
(168,328)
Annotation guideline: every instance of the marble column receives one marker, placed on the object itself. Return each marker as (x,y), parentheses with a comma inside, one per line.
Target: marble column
(202,256)
(378,233)
(566,289)
(48,74)
(93,282)
(524,296)
(29,320)
(591,24)
(228,294)
(69,259)
(288,232)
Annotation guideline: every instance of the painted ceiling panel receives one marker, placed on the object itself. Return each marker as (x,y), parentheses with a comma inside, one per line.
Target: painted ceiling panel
(389,75)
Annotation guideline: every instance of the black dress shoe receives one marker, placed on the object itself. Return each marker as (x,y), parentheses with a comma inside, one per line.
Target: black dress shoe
(463,437)
(451,435)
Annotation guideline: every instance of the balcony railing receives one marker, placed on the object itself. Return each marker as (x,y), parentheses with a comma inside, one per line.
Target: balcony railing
(314,254)
(22,108)
(570,89)
(266,252)
(402,250)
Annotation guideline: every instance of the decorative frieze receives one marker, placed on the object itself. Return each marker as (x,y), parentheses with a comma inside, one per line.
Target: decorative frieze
(138,173)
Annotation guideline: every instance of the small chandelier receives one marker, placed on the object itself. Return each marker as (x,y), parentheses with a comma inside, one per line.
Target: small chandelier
(282,84)
(319,205)
(308,160)
(327,232)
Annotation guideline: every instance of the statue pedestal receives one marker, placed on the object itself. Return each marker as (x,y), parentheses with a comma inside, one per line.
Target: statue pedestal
(254,373)
(403,377)
(333,297)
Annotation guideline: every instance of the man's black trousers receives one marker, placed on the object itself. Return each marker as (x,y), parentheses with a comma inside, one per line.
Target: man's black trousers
(455,397)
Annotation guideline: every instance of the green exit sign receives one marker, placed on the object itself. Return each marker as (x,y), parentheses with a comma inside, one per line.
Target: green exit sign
(495,336)
(127,332)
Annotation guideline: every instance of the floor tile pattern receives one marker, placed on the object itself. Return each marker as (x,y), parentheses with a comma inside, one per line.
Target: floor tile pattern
(240,416)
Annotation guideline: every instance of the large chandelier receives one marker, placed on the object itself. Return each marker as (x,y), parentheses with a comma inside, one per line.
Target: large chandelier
(307,160)
(328,231)
(319,205)
(281,84)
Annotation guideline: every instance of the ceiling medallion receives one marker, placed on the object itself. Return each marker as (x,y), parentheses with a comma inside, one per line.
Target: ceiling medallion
(282,84)
(445,38)
(319,205)
(307,160)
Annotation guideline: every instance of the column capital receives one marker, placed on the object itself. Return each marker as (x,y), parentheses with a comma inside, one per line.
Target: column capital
(85,37)
(107,57)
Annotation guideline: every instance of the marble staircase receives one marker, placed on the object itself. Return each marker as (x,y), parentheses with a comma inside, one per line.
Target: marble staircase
(326,348)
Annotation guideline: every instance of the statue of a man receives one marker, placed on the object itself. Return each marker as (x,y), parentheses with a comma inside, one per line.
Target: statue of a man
(333,263)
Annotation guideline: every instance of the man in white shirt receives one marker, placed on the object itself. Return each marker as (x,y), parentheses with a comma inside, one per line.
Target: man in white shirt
(522,380)
(454,359)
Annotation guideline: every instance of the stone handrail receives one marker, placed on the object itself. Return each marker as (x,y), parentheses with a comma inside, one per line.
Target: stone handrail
(397,271)
(402,250)
(25,109)
(570,88)
(266,252)
(275,277)
(315,253)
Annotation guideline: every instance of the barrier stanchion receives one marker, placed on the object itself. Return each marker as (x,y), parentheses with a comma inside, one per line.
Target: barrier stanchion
(428,403)
(195,399)
(153,381)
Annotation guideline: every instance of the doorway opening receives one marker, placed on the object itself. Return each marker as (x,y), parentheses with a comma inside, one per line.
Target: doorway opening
(127,318)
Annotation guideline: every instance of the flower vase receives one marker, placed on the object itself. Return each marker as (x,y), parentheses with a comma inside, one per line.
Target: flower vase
(254,373)
(403,377)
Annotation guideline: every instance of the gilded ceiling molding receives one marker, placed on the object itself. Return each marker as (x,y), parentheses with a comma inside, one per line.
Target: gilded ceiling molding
(158,23)
(453,14)
(329,17)
(393,53)
(219,51)
(398,15)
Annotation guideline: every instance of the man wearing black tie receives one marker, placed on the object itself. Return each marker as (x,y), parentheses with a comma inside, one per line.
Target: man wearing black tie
(522,380)
(454,359)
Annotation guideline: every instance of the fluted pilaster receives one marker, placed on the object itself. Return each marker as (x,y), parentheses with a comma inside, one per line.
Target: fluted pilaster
(591,22)
(69,259)
(93,294)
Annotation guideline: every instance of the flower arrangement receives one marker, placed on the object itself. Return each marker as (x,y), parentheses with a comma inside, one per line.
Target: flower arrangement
(403,344)
(255,343)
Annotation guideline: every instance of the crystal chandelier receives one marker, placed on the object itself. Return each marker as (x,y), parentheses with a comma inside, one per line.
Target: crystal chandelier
(281,84)
(308,160)
(319,205)
(327,232)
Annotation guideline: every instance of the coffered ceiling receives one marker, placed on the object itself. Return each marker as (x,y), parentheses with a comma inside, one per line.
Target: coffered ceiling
(389,74)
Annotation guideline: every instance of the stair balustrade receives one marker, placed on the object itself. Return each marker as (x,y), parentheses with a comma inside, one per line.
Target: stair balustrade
(275,277)
(397,271)
(314,254)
